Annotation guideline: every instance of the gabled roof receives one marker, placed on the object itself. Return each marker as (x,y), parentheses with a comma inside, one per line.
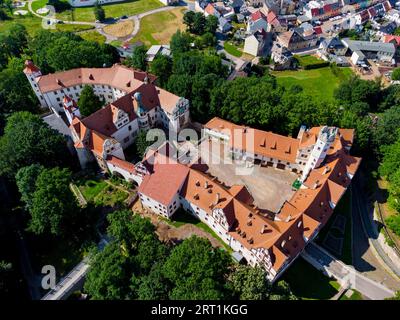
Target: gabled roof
(118,76)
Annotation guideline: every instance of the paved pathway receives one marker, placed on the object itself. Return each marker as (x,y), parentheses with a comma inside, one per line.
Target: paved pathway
(345,274)
(368,256)
(66,286)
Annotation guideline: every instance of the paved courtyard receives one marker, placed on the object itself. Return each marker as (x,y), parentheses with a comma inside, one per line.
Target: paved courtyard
(269,187)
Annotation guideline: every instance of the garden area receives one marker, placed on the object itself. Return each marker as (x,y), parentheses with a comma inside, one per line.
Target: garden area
(104,193)
(320,82)
(158,28)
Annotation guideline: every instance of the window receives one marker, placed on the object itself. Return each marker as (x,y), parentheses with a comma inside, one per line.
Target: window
(130,128)
(58,99)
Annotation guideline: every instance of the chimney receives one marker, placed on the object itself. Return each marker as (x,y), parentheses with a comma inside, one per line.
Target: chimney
(243,235)
(196,196)
(250,240)
(321,204)
(326,170)
(206,184)
(209,190)
(91,77)
(198,183)
(249,222)
(299,224)
(263,229)
(316,184)
(283,243)
(217,198)
(288,218)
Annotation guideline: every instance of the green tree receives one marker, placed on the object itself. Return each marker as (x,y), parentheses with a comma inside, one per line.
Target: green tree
(5,270)
(396,74)
(16,93)
(58,51)
(249,283)
(28,139)
(138,58)
(108,274)
(142,143)
(386,128)
(99,12)
(53,204)
(211,24)
(153,286)
(161,66)
(188,20)
(88,102)
(197,270)
(199,23)
(180,42)
(26,182)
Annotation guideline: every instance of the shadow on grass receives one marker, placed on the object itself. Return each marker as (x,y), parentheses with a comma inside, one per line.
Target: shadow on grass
(308,283)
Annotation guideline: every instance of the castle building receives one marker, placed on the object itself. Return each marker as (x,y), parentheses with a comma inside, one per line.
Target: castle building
(319,155)
(133,103)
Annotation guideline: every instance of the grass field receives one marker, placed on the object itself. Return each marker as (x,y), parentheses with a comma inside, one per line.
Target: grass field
(319,82)
(93,36)
(158,28)
(31,23)
(308,283)
(112,10)
(73,27)
(120,29)
(232,49)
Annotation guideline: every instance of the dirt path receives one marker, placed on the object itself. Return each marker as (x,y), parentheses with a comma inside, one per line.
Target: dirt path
(167,232)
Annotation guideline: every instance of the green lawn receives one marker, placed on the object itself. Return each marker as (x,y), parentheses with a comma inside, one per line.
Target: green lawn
(76,28)
(343,208)
(355,296)
(91,188)
(232,49)
(39,4)
(93,36)
(31,23)
(158,28)
(308,283)
(112,10)
(102,193)
(318,82)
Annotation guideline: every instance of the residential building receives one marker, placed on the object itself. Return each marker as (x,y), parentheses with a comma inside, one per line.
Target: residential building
(296,39)
(257,21)
(362,50)
(158,49)
(257,43)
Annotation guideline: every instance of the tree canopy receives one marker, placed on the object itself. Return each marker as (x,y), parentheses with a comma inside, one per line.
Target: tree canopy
(88,102)
(27,140)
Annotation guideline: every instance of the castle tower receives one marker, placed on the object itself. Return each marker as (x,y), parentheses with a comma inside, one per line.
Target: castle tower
(71,109)
(33,74)
(144,120)
(326,137)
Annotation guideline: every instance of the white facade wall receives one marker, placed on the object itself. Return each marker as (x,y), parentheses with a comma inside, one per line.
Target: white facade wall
(127,133)
(55,98)
(251,46)
(126,174)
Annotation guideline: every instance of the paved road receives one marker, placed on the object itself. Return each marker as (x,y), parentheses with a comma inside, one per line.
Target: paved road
(368,256)
(346,275)
(69,283)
